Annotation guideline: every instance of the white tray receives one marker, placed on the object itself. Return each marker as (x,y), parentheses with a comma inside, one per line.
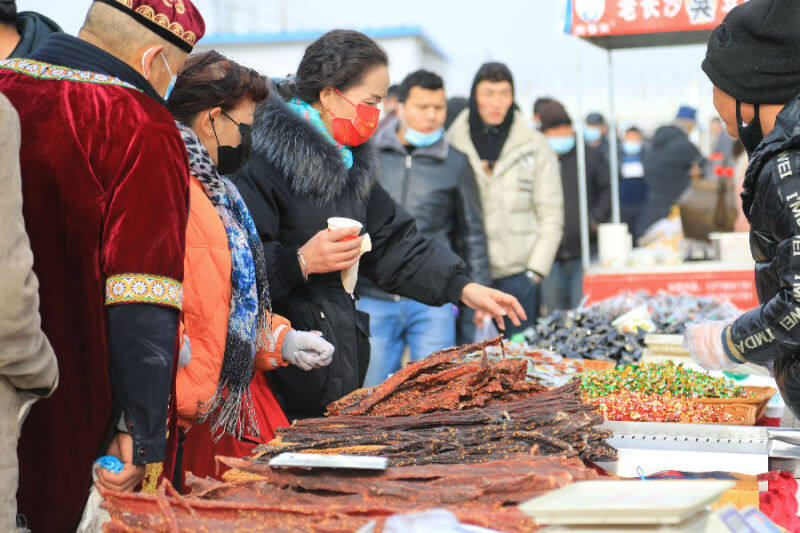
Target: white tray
(625,502)
(314,460)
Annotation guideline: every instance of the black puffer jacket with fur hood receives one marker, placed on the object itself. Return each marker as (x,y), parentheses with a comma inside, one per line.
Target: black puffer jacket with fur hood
(292,184)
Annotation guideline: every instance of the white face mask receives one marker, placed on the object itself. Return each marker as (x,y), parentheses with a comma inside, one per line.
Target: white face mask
(172,77)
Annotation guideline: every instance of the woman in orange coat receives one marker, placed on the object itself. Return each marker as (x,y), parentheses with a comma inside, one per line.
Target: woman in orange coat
(231,338)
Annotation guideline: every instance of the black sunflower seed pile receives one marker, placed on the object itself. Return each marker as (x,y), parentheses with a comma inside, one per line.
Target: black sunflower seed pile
(587,333)
(584,334)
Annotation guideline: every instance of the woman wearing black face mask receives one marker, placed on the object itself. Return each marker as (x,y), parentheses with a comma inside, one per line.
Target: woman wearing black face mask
(230,332)
(232,158)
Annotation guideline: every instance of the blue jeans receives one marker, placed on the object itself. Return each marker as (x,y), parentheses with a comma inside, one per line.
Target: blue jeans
(563,288)
(395,324)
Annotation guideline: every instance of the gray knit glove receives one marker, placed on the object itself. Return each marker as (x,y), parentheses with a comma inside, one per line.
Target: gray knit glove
(306,350)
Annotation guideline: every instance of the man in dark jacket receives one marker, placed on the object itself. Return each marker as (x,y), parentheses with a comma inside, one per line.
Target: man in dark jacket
(22,33)
(762,110)
(666,167)
(435,184)
(563,288)
(632,184)
(595,133)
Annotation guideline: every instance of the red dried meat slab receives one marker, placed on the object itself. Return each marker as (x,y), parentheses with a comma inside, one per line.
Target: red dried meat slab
(411,371)
(321,500)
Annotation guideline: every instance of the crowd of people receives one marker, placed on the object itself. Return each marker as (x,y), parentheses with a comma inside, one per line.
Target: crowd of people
(173,289)
(189,285)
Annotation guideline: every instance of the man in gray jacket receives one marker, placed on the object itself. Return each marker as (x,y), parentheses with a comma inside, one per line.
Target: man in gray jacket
(28,368)
(435,183)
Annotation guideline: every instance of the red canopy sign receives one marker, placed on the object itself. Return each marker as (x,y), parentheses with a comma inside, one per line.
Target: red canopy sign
(597,18)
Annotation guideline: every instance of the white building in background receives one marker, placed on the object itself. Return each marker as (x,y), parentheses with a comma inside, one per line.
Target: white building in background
(278,54)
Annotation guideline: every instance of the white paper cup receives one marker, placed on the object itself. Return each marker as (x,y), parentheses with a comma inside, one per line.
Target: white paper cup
(335,223)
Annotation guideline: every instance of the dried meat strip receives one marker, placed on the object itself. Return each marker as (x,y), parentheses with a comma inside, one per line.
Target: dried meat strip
(390,385)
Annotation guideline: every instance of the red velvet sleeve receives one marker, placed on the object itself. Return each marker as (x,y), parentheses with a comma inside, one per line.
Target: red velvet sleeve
(144,234)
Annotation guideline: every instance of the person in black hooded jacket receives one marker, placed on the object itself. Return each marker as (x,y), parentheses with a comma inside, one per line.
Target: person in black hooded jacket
(22,33)
(763,109)
(666,168)
(563,287)
(311,163)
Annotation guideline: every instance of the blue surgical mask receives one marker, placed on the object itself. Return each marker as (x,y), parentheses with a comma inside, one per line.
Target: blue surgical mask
(592,134)
(631,147)
(420,139)
(562,145)
(173,78)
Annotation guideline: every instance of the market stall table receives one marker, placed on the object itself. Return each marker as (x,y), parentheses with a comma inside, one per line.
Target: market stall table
(468,430)
(733,282)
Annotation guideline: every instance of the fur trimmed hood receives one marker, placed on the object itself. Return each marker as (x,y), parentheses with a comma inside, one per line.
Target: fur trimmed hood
(312,166)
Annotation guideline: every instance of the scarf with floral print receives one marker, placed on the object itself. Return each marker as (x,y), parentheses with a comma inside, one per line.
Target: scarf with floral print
(231,408)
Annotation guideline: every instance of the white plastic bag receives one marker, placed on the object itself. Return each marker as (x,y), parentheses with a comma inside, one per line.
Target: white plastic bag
(486,331)
(95,516)
(435,520)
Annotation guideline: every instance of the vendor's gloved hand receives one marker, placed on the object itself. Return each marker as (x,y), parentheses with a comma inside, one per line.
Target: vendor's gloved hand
(704,342)
(306,350)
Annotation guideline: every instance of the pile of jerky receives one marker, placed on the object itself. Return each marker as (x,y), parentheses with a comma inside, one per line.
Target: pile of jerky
(586,332)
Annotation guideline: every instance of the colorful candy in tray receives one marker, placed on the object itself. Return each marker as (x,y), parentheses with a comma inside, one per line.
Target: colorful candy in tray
(638,407)
(662,379)
(667,392)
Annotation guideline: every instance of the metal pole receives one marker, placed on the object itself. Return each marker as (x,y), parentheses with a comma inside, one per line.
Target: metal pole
(582,196)
(613,160)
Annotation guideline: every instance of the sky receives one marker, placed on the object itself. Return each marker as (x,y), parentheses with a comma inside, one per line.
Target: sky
(526,34)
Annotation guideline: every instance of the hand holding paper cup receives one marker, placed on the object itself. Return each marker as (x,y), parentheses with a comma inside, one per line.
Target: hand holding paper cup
(350,275)
(336,223)
(332,249)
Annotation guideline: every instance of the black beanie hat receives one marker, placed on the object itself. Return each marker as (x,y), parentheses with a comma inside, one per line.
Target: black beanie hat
(754,55)
(8,11)
(552,115)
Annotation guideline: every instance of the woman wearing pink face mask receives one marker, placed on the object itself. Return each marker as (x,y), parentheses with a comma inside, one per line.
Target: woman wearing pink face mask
(311,161)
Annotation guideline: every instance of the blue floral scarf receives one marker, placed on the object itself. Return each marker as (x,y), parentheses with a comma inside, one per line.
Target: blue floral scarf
(307,111)
(231,408)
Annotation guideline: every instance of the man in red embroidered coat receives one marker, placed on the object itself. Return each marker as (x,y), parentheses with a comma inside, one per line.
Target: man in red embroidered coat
(105,189)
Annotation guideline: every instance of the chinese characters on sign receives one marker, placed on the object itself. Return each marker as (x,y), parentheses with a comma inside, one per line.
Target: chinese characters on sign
(701,11)
(627,17)
(736,286)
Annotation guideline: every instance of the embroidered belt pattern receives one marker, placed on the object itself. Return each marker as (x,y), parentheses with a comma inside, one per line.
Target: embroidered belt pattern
(143,288)
(46,71)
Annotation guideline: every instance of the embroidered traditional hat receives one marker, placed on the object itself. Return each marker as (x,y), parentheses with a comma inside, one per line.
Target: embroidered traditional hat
(177,21)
